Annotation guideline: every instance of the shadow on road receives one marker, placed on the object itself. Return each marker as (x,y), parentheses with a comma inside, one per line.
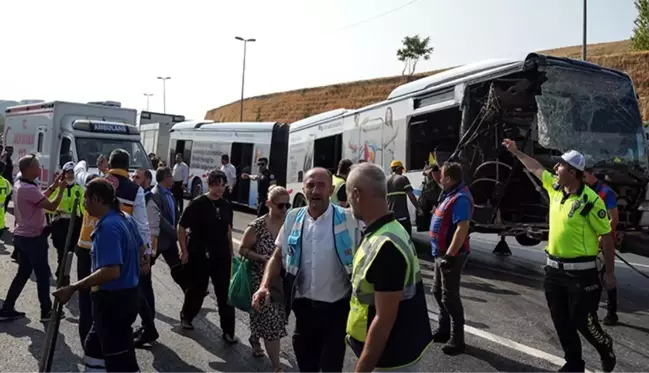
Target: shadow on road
(166,360)
(501,363)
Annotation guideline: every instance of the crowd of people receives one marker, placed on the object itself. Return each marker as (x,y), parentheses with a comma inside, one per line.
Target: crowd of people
(345,264)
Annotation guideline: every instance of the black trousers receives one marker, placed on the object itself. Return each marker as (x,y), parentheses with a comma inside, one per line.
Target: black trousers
(199,270)
(319,336)
(85,305)
(573,298)
(177,191)
(111,336)
(147,297)
(59,234)
(446,289)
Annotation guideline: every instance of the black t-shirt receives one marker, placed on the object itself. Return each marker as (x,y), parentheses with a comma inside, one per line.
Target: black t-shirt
(388,270)
(208,221)
(263,183)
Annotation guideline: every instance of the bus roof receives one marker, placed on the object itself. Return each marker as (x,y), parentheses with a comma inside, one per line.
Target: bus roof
(322,117)
(210,125)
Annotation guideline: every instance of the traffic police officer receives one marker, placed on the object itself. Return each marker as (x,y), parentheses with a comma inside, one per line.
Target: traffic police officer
(339,195)
(608,196)
(61,218)
(578,218)
(5,190)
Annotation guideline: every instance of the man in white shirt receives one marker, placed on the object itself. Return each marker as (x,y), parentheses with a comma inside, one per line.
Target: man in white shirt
(231,173)
(180,177)
(315,249)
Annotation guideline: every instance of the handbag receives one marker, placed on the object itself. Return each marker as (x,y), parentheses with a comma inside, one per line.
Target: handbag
(240,289)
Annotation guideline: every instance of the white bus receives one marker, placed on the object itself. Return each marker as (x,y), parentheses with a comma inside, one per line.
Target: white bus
(203,142)
(547,104)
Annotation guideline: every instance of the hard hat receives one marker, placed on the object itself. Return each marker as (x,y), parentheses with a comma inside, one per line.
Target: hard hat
(396,163)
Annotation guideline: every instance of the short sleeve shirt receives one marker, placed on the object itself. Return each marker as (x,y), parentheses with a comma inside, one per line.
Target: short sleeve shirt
(117,241)
(609,197)
(209,222)
(30,218)
(263,183)
(574,227)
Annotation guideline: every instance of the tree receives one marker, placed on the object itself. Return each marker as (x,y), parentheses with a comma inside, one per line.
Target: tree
(640,38)
(414,48)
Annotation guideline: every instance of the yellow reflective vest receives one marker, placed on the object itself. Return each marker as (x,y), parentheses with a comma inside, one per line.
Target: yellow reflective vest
(5,189)
(67,201)
(411,334)
(338,182)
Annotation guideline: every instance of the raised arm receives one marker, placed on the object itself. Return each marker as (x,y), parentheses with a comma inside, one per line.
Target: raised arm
(530,163)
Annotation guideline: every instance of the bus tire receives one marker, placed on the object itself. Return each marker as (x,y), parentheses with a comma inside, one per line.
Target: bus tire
(299,201)
(524,240)
(197,188)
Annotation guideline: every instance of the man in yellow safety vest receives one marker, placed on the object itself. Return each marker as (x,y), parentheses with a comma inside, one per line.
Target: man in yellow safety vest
(339,196)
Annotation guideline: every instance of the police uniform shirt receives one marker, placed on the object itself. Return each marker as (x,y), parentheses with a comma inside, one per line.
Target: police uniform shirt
(576,221)
(209,222)
(263,183)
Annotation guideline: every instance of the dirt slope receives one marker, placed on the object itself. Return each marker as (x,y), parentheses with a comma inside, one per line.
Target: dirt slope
(298,104)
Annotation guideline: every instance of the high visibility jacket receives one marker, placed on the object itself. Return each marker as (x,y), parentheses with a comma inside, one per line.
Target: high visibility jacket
(411,334)
(5,189)
(338,182)
(67,201)
(126,193)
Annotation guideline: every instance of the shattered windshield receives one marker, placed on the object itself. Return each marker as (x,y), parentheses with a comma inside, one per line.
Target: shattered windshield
(594,113)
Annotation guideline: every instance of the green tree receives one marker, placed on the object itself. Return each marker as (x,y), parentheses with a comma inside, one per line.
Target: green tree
(640,38)
(258,117)
(413,49)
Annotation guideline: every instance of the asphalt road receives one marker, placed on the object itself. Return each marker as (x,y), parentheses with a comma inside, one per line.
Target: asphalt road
(508,325)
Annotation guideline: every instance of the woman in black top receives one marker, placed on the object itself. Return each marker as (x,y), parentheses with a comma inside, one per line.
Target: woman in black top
(207,253)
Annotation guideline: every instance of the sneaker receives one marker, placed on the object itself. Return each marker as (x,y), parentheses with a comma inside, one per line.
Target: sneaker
(186,324)
(455,346)
(229,339)
(147,337)
(47,315)
(573,367)
(608,363)
(611,319)
(10,315)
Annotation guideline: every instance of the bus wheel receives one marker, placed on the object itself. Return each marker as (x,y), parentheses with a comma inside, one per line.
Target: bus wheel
(197,189)
(524,240)
(299,201)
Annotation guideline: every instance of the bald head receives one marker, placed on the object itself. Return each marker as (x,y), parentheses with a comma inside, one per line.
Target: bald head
(319,174)
(317,189)
(368,178)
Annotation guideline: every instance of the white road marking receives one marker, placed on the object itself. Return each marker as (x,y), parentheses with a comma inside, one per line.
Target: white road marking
(509,343)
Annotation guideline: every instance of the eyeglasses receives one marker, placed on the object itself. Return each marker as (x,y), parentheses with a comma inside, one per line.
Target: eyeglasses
(283,205)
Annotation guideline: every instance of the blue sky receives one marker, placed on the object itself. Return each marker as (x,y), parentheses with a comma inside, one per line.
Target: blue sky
(91,50)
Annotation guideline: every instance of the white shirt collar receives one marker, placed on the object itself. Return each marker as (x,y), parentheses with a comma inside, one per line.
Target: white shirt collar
(322,217)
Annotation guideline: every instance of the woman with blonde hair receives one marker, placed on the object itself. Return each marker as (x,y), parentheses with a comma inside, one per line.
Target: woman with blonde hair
(258,244)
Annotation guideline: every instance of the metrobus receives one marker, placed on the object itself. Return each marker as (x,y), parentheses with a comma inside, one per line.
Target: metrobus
(203,142)
(547,104)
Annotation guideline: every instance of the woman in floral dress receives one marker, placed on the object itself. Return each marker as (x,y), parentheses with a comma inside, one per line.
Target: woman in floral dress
(258,244)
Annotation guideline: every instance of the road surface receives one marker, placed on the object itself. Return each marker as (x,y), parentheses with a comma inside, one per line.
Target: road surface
(508,325)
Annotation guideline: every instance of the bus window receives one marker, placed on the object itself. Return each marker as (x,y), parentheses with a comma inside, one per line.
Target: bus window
(327,152)
(439,130)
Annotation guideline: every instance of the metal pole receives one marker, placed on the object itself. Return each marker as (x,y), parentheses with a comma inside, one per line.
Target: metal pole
(243,78)
(148,96)
(164,92)
(583,48)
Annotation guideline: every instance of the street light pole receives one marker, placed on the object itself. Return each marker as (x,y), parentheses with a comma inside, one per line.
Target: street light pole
(148,96)
(584,43)
(243,72)
(164,93)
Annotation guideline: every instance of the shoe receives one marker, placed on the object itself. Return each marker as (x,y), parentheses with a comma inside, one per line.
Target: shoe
(573,367)
(441,336)
(611,319)
(147,336)
(186,324)
(10,315)
(47,315)
(230,339)
(609,362)
(455,346)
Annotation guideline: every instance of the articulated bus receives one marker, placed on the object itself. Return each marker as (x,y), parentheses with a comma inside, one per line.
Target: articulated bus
(547,104)
(203,142)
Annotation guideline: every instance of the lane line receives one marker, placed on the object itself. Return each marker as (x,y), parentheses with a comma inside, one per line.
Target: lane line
(503,341)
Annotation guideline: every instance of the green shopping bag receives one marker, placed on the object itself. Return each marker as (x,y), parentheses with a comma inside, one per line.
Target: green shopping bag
(240,290)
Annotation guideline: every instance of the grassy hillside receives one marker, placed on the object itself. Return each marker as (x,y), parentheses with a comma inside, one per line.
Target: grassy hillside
(298,104)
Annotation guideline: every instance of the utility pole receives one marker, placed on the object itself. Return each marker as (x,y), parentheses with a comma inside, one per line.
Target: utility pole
(148,96)
(243,73)
(164,93)
(584,44)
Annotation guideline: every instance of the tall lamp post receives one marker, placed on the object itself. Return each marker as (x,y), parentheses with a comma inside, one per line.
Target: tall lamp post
(148,96)
(243,72)
(584,43)
(164,93)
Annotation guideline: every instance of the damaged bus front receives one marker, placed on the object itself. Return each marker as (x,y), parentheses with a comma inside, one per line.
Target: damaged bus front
(548,106)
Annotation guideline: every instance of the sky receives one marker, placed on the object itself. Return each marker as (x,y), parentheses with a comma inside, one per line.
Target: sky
(94,50)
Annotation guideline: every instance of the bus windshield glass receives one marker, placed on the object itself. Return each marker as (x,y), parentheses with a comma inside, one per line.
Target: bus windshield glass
(89,149)
(595,113)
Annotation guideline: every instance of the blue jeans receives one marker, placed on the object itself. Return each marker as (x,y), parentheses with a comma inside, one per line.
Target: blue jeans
(33,257)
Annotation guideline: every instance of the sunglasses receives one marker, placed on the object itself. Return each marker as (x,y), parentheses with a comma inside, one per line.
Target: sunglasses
(283,205)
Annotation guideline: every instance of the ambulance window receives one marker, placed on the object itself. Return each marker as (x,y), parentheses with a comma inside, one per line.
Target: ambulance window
(65,155)
(39,146)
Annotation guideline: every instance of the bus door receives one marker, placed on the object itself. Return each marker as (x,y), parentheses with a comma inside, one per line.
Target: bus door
(241,158)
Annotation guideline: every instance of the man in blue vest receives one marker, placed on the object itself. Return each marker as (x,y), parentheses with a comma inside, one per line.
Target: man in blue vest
(315,250)
(449,238)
